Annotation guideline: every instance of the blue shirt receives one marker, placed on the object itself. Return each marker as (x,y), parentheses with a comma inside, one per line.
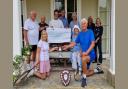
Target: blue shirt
(85,39)
(72,24)
(77,46)
(65,21)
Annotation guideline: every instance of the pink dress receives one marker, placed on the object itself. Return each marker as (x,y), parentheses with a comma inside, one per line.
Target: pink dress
(44,57)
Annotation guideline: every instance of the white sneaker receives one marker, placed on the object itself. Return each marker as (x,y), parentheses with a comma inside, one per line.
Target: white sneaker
(95,71)
(79,72)
(75,72)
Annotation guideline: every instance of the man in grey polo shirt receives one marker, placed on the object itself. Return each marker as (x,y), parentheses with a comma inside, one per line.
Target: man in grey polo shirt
(31,34)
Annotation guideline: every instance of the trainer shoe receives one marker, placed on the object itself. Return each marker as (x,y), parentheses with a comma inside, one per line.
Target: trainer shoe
(84,82)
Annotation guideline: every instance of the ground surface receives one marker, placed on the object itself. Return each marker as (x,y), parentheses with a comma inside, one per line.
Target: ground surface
(97,81)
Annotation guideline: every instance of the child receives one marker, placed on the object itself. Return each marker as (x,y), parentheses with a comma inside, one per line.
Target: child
(42,56)
(76,51)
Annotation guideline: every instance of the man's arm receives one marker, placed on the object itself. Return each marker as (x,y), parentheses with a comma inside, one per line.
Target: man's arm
(26,37)
(72,44)
(91,47)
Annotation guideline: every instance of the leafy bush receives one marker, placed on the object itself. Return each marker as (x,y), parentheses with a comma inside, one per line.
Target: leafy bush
(18,60)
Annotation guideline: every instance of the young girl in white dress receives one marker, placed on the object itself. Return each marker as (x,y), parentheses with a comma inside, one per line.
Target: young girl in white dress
(42,56)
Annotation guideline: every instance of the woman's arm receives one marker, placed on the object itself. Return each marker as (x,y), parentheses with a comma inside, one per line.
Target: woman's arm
(100,33)
(37,56)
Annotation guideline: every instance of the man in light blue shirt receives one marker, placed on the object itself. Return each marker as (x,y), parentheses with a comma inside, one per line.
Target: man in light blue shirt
(64,19)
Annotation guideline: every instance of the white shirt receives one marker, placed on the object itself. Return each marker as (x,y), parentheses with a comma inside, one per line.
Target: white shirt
(44,53)
(33,31)
(56,23)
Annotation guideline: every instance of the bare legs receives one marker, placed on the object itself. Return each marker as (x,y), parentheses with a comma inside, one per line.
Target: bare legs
(88,72)
(42,76)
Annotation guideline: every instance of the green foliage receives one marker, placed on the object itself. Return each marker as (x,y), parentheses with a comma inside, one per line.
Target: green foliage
(17,60)
(26,50)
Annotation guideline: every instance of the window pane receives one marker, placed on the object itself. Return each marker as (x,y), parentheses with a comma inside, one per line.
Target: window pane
(59,4)
(71,5)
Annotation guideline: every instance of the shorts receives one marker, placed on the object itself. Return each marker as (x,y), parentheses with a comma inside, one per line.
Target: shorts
(34,47)
(92,58)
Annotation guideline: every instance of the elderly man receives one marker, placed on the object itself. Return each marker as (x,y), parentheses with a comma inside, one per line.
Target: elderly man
(87,43)
(42,25)
(31,34)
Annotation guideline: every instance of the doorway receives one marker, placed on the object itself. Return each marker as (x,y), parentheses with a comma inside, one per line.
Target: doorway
(69,6)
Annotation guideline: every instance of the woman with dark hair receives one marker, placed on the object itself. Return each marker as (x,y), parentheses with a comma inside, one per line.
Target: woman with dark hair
(91,25)
(98,31)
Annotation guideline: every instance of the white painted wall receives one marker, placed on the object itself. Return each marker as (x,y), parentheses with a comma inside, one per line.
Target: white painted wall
(89,7)
(112,60)
(17,31)
(43,7)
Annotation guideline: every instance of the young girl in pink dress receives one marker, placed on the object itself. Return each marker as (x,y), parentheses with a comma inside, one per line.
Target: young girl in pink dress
(42,56)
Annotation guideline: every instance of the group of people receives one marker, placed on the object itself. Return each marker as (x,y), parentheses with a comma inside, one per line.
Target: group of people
(86,38)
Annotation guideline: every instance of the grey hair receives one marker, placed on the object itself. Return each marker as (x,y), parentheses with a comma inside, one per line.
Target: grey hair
(84,20)
(33,12)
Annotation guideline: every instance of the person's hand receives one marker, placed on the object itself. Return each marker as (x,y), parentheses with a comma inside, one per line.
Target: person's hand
(81,53)
(96,40)
(27,44)
(55,48)
(84,54)
(36,64)
(65,47)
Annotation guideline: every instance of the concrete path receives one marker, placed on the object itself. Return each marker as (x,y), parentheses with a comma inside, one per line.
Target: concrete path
(97,81)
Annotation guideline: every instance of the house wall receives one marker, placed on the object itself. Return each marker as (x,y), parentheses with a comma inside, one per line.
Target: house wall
(41,6)
(89,8)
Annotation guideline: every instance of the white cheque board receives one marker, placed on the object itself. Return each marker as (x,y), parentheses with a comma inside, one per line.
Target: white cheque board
(59,35)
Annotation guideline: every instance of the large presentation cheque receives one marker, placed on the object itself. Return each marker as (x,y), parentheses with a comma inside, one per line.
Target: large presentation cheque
(59,35)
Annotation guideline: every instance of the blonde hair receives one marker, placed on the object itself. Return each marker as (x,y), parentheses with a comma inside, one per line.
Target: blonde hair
(42,35)
(99,20)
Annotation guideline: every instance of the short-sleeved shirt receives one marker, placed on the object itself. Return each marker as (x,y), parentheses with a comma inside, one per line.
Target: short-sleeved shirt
(85,39)
(33,31)
(64,20)
(71,25)
(56,23)
(77,46)
(42,25)
(44,53)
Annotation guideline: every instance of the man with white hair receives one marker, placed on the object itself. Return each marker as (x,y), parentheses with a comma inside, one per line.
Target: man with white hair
(87,43)
(31,34)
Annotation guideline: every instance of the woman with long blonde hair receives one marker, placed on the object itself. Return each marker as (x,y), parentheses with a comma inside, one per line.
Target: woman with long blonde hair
(98,31)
